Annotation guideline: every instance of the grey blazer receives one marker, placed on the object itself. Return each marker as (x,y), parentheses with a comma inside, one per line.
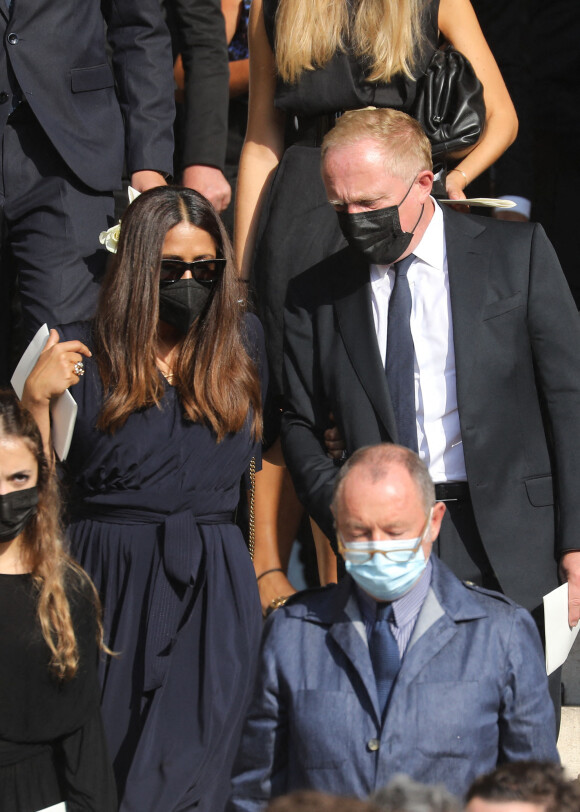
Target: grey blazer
(471,692)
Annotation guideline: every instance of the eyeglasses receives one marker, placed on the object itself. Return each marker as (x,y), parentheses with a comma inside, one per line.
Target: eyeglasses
(205,271)
(399,556)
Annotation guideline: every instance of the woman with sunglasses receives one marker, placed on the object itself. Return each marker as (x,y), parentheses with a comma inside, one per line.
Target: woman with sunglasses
(52,744)
(169,417)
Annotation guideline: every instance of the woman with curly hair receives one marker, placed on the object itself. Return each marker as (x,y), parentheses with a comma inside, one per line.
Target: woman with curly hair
(52,745)
(169,418)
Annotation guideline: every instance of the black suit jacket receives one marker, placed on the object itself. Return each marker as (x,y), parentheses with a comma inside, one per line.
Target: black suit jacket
(199,34)
(517,350)
(55,52)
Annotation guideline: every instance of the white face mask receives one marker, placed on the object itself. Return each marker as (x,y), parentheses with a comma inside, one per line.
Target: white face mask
(386,578)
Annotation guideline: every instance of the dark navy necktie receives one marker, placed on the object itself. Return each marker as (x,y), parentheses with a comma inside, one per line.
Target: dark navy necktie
(384,653)
(400,364)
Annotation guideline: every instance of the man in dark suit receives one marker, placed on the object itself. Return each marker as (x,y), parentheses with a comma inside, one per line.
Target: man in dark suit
(398,668)
(198,34)
(68,122)
(494,354)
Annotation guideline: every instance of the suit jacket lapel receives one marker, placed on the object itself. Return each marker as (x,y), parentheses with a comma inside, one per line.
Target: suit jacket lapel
(468,261)
(347,630)
(447,603)
(352,302)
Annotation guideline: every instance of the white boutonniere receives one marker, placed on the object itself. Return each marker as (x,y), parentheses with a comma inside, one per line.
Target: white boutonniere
(110,237)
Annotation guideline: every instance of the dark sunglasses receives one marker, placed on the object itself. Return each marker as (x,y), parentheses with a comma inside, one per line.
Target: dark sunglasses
(205,271)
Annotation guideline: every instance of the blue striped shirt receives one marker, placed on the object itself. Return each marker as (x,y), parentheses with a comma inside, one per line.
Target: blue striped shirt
(405,609)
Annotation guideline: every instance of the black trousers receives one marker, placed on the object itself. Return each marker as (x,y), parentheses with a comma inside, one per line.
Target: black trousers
(459,545)
(51,253)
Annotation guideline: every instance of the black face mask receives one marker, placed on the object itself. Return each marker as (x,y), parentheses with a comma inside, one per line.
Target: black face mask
(16,509)
(181,302)
(377,235)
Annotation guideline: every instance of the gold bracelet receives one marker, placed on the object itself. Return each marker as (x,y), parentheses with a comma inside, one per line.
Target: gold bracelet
(455,169)
(276,603)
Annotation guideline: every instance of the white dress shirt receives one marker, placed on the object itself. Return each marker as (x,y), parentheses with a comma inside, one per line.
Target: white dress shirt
(438,430)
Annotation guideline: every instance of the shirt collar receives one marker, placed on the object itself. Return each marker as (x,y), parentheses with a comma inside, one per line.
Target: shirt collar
(431,249)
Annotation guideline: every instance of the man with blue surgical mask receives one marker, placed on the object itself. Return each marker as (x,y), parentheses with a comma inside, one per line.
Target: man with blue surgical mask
(400,667)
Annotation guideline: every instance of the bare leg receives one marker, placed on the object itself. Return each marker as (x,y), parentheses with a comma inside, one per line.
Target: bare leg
(277,518)
(327,570)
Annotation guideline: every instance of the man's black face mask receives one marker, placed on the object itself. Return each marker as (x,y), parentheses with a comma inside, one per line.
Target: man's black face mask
(377,234)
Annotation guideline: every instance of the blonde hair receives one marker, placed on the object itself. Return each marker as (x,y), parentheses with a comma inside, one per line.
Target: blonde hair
(43,549)
(385,34)
(405,146)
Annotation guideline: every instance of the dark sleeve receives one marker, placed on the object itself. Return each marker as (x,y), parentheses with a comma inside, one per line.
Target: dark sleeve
(256,345)
(75,330)
(202,39)
(82,756)
(257,349)
(306,411)
(87,775)
(143,68)
(554,331)
(269,9)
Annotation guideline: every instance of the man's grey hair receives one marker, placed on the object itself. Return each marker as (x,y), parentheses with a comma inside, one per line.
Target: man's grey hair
(402,794)
(377,461)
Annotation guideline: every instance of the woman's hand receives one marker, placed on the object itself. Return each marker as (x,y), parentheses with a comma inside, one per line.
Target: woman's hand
(273,587)
(455,183)
(459,25)
(56,369)
(52,374)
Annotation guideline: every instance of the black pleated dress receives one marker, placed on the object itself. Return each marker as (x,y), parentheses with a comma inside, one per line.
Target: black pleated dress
(153,524)
(298,228)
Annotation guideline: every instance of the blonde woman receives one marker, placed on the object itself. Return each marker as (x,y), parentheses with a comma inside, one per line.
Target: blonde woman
(52,746)
(309,61)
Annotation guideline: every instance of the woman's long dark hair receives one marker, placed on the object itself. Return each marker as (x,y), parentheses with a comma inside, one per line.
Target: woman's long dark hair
(43,549)
(215,376)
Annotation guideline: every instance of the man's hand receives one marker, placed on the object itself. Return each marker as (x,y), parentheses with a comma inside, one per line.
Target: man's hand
(147,179)
(210,182)
(570,571)
(335,445)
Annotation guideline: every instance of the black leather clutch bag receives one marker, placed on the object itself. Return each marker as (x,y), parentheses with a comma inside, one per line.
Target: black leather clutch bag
(449,103)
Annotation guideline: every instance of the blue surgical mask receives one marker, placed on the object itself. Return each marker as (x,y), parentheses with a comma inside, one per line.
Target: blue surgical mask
(386,579)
